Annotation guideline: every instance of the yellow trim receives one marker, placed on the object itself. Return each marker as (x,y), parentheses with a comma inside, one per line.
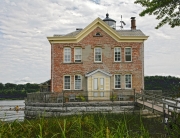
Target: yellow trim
(101,24)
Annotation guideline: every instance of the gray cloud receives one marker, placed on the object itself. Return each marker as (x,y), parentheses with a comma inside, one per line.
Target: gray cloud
(25,24)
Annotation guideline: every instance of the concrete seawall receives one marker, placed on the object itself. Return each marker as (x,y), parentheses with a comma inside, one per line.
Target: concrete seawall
(70,108)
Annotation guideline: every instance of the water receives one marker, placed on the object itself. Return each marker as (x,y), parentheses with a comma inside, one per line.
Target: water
(7,112)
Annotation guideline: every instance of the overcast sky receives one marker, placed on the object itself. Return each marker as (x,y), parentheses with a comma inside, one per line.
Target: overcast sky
(25,24)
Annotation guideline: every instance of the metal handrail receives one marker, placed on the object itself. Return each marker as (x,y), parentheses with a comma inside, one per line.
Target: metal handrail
(51,97)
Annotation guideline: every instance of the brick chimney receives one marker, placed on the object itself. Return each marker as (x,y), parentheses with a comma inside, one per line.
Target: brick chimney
(133,23)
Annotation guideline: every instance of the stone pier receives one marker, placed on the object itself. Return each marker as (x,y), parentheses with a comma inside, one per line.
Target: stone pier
(71,108)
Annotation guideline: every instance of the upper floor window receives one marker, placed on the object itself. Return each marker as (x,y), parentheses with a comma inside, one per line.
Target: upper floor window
(117,54)
(98,54)
(128,54)
(67,55)
(78,54)
(78,82)
(67,82)
(117,81)
(128,81)
(98,34)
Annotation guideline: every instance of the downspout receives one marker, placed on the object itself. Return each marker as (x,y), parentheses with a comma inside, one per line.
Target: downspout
(52,67)
(143,65)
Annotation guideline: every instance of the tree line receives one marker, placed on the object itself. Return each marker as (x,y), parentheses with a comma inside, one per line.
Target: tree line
(164,83)
(19,91)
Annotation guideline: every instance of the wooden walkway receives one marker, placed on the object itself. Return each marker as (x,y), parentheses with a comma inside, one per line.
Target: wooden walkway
(157,103)
(153,107)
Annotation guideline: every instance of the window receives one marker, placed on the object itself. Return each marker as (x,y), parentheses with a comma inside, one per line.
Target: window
(77,54)
(95,83)
(102,94)
(77,82)
(95,94)
(67,55)
(67,82)
(98,55)
(117,54)
(117,81)
(128,54)
(98,34)
(102,83)
(128,82)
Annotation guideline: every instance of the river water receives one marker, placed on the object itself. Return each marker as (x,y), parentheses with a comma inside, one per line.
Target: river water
(7,110)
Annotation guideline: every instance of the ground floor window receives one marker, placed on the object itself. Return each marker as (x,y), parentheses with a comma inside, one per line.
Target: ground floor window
(102,94)
(128,81)
(117,80)
(67,82)
(77,82)
(95,83)
(95,94)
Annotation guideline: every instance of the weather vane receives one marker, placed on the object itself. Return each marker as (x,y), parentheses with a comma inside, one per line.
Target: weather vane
(122,23)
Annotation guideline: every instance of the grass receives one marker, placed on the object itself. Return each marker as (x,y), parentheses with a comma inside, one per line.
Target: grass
(84,126)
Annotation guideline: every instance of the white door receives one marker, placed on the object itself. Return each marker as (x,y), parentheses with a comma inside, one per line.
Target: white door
(98,87)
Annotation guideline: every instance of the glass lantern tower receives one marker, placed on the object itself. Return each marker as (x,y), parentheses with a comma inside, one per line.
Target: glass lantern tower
(110,22)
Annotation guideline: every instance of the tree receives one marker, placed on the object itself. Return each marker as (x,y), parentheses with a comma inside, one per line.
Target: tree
(166,10)
(10,86)
(1,86)
(165,83)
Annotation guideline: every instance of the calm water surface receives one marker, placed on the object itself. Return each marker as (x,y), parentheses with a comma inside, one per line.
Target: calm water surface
(7,112)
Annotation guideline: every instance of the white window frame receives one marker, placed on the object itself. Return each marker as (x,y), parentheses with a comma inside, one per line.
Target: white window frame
(126,54)
(65,54)
(95,54)
(77,54)
(126,82)
(64,82)
(115,81)
(115,54)
(75,82)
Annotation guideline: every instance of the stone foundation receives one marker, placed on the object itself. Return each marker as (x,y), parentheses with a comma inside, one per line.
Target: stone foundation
(71,108)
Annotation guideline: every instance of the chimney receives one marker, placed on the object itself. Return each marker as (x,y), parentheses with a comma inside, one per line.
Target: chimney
(133,23)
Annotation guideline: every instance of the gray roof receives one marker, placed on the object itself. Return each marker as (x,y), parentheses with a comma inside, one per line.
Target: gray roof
(130,33)
(120,32)
(72,33)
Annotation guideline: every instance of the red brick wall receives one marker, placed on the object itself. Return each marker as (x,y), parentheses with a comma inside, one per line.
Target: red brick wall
(59,69)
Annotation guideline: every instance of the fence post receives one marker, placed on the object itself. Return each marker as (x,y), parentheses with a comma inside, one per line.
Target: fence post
(45,97)
(164,115)
(63,98)
(176,105)
(87,97)
(134,96)
(153,104)
(143,100)
(168,109)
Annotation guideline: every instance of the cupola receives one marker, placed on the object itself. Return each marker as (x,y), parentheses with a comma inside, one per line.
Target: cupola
(110,22)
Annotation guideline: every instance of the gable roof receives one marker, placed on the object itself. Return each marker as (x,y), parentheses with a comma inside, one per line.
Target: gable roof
(95,71)
(118,35)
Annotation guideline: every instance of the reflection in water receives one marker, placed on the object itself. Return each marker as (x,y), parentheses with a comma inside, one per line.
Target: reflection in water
(11,110)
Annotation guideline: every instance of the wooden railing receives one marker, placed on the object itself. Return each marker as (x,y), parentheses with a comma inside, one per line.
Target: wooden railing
(158,102)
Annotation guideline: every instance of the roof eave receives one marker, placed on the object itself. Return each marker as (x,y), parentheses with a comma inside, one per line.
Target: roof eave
(96,23)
